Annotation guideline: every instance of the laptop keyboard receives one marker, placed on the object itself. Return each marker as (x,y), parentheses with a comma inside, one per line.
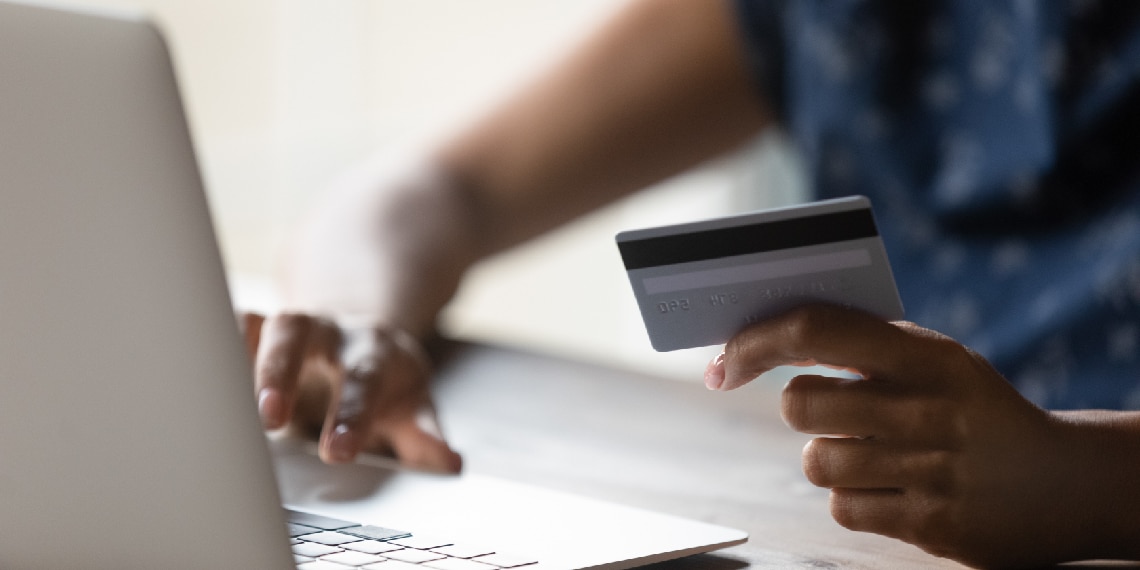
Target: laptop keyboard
(324,543)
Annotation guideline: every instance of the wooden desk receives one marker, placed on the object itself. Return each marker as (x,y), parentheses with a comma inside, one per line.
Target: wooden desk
(665,445)
(660,444)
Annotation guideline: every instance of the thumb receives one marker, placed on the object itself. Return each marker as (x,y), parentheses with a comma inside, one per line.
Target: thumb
(250,326)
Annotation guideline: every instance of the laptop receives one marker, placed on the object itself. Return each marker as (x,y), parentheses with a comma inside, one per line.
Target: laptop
(129,436)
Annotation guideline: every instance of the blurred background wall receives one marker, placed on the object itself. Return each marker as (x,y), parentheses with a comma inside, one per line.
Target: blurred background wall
(285,94)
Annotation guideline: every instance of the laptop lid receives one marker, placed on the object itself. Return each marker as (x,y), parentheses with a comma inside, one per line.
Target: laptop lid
(127,438)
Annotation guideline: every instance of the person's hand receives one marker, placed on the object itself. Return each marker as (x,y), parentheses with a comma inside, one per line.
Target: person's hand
(375,259)
(932,446)
(362,389)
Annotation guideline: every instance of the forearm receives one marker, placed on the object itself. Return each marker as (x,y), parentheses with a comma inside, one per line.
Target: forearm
(660,89)
(1106,461)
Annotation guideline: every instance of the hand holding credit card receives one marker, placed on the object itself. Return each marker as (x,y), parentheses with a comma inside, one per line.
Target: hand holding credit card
(699,283)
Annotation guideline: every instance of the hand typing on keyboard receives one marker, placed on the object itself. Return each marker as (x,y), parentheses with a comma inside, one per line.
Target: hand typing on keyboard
(360,388)
(366,276)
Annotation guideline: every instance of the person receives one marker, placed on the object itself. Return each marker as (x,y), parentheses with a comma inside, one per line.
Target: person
(998,141)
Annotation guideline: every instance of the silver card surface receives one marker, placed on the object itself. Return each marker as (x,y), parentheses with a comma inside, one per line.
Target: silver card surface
(699,283)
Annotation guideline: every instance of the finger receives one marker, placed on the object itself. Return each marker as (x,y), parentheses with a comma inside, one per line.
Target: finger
(825,405)
(869,464)
(820,334)
(881,511)
(367,359)
(347,418)
(871,408)
(283,346)
(418,442)
(250,326)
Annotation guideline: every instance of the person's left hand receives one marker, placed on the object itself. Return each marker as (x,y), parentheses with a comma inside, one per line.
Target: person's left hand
(932,446)
(361,388)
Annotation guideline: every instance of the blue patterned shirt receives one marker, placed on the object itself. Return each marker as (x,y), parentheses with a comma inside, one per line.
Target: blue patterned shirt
(1000,144)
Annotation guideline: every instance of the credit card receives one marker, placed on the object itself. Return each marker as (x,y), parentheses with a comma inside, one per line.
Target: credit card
(699,283)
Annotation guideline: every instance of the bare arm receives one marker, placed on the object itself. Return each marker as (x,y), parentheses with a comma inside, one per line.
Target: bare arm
(662,87)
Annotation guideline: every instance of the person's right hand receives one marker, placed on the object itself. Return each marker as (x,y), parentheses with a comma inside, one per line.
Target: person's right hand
(364,276)
(360,388)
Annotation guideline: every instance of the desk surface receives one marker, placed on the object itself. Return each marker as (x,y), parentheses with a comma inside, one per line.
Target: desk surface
(670,446)
(664,445)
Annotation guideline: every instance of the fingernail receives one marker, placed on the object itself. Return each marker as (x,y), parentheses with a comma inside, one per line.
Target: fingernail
(269,408)
(342,444)
(714,373)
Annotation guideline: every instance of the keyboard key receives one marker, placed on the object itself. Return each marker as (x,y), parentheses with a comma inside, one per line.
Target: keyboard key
(422,542)
(376,532)
(371,546)
(458,564)
(296,530)
(463,551)
(330,538)
(322,565)
(505,560)
(298,559)
(393,565)
(350,558)
(412,555)
(314,549)
(317,521)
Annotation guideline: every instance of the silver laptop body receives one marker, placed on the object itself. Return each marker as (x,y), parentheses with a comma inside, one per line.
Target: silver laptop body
(124,393)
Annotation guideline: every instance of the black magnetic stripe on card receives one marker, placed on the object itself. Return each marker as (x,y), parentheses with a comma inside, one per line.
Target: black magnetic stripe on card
(752,238)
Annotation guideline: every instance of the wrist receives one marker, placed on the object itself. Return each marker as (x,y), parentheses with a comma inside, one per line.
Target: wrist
(1103,448)
(387,247)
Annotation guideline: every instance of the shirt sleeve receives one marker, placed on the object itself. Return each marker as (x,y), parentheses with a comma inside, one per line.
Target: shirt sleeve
(761,28)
